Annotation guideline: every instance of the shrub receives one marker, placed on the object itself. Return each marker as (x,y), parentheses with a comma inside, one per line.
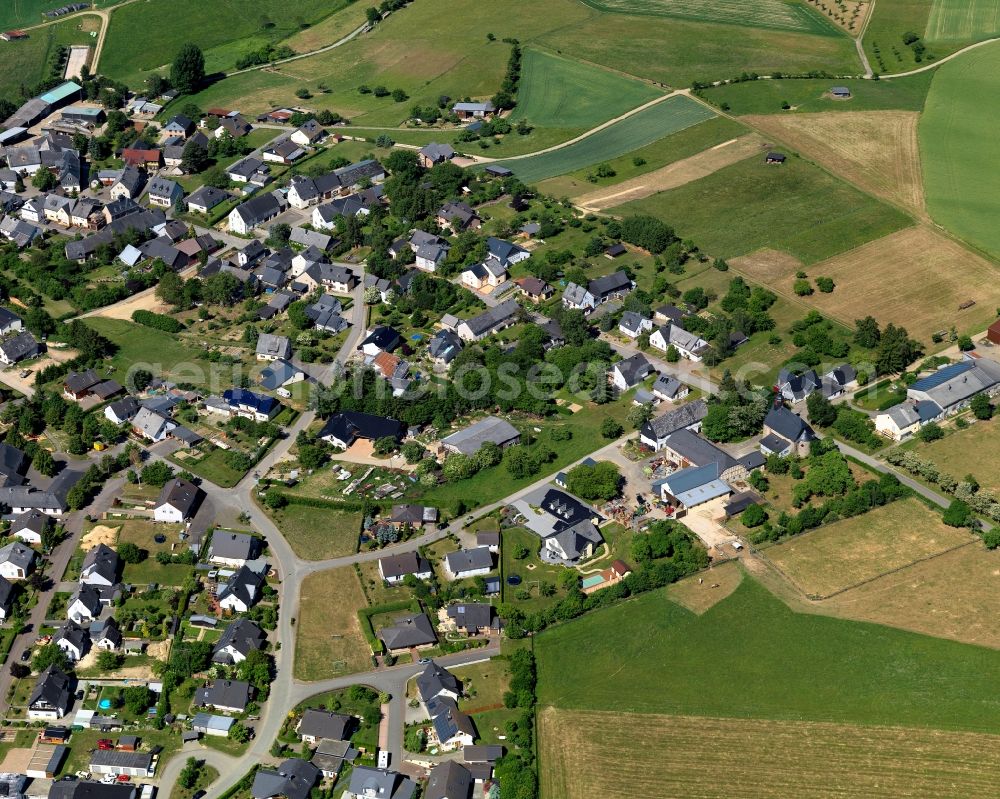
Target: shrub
(157,320)
(802,288)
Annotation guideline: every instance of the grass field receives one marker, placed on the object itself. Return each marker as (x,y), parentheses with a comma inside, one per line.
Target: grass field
(581,757)
(916,278)
(762,14)
(852,551)
(328,638)
(224,30)
(668,150)
(951,453)
(318,533)
(25,62)
(889,20)
(700,592)
(963,20)
(142,533)
(21,13)
(557,92)
(956,140)
(640,129)
(812,95)
(876,150)
(795,207)
(951,596)
(213,466)
(751,656)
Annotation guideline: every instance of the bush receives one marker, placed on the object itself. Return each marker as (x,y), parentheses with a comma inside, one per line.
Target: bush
(802,287)
(958,514)
(611,429)
(825,284)
(930,432)
(754,516)
(157,321)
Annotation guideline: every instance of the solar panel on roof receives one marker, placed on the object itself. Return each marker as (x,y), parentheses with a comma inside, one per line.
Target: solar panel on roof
(942,376)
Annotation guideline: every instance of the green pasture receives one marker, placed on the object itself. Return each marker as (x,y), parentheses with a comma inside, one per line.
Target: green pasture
(750,656)
(640,129)
(558,92)
(795,207)
(777,14)
(959,148)
(963,20)
(24,62)
(22,13)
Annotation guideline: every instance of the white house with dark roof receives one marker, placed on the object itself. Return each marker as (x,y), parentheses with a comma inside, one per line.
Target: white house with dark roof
(17,561)
(630,372)
(178,501)
(654,433)
(689,345)
(233,549)
(468,563)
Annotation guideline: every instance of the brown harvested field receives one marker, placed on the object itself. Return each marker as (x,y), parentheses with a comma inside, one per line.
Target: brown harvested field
(707,758)
(850,551)
(328,637)
(951,596)
(702,591)
(917,278)
(877,150)
(673,175)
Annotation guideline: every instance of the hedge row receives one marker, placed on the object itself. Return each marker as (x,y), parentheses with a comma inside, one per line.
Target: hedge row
(157,320)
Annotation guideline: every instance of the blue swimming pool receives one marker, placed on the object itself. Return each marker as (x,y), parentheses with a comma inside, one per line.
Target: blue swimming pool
(104,704)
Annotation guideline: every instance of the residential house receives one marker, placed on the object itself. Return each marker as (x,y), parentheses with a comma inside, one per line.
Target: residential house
(468,563)
(491,429)
(14,465)
(235,125)
(179,125)
(7,592)
(786,433)
(85,604)
(73,640)
(330,755)
(233,549)
(504,252)
(838,380)
(435,682)
(281,373)
(284,152)
(380,339)
(394,568)
(630,372)
(795,387)
(430,256)
(122,411)
(344,428)
(250,170)
(688,345)
(105,635)
(488,274)
(578,298)
(310,238)
(610,287)
(413,631)
(473,110)
(248,216)
(451,728)
(432,154)
(449,780)
(535,289)
(226,695)
(493,320)
(903,420)
(686,448)
(377,783)
(29,527)
(413,515)
(444,346)
(52,695)
(271,347)
(148,158)
(952,387)
(178,501)
(654,433)
(458,216)
(308,134)
(696,485)
(669,389)
(566,526)
(101,567)
(634,324)
(17,561)
(164,193)
(294,778)
(474,618)
(19,348)
(152,426)
(239,639)
(317,724)
(250,405)
(330,277)
(206,198)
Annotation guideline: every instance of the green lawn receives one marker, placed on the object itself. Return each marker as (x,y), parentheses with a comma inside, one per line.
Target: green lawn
(963,20)
(164,354)
(20,13)
(318,533)
(889,20)
(557,92)
(795,207)
(530,569)
(957,138)
(25,62)
(224,30)
(213,466)
(811,95)
(636,131)
(751,656)
(667,150)
(790,16)
(880,396)
(143,534)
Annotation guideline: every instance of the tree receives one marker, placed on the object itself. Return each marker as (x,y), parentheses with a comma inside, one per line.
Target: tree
(867,333)
(821,411)
(930,432)
(673,355)
(138,699)
(753,516)
(802,287)
(50,655)
(278,235)
(965,343)
(385,445)
(139,379)
(44,180)
(600,481)
(130,553)
(981,407)
(611,429)
(991,538)
(413,451)
(19,671)
(187,72)
(195,157)
(188,777)
(156,473)
(216,177)
(896,350)
(638,415)
(44,463)
(274,499)
(958,514)
(311,456)
(170,289)
(108,661)
(239,732)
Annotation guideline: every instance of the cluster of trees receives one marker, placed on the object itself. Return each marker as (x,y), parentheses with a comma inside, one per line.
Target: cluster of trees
(265,55)
(47,409)
(600,481)
(894,349)
(747,310)
(736,412)
(506,97)
(92,346)
(668,539)
(967,489)
(846,422)
(647,232)
(517,770)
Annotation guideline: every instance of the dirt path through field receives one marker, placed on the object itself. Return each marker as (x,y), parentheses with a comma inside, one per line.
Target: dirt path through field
(673,175)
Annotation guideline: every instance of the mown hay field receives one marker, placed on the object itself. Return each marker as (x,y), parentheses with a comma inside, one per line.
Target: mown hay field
(846,553)
(876,150)
(963,20)
(760,14)
(581,756)
(328,637)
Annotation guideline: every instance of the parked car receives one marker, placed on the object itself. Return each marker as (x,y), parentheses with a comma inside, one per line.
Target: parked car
(26,655)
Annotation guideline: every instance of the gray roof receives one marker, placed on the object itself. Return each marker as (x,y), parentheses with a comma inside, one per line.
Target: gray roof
(208,196)
(224,693)
(376,783)
(116,759)
(699,451)
(473,615)
(245,584)
(449,780)
(684,416)
(469,560)
(274,346)
(33,520)
(102,560)
(17,553)
(258,209)
(324,724)
(436,679)
(788,425)
(493,318)
(410,630)
(293,779)
(234,546)
(634,368)
(180,494)
(492,428)
(404,563)
(437,152)
(609,284)
(52,689)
